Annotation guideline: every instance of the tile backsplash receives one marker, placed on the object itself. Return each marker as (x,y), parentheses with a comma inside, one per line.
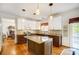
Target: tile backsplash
(50,32)
(55,32)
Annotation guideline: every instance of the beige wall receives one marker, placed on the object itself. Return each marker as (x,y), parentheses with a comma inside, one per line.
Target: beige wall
(65,17)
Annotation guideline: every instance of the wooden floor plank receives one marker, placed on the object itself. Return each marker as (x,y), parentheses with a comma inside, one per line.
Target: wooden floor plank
(10,48)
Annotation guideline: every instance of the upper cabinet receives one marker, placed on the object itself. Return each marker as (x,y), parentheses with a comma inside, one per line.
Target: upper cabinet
(44,26)
(55,23)
(37,26)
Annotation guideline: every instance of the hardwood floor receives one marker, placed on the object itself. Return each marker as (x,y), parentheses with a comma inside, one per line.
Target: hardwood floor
(58,50)
(10,48)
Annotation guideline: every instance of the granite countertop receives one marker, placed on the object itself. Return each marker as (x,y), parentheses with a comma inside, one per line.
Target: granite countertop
(38,39)
(54,33)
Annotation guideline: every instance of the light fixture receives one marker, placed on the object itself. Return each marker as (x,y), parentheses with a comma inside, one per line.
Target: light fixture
(23,10)
(37,12)
(50,16)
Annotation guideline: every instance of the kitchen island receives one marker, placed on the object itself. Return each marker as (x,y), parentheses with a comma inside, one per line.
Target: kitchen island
(39,45)
(56,35)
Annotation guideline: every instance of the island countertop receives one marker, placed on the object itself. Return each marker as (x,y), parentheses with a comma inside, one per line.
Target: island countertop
(38,39)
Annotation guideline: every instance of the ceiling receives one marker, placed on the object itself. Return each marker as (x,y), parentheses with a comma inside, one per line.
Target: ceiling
(15,9)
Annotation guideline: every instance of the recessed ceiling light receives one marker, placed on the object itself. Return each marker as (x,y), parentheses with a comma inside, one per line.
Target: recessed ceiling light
(50,4)
(23,10)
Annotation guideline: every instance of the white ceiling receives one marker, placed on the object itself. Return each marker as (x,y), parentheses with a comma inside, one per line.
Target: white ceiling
(16,9)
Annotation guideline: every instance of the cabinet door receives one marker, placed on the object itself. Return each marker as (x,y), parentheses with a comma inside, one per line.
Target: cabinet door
(65,41)
(65,33)
(44,28)
(56,23)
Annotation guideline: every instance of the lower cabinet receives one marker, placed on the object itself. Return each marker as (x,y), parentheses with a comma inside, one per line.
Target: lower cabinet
(57,41)
(21,39)
(34,48)
(40,49)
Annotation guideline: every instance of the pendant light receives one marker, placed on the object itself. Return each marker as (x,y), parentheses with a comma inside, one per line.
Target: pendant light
(37,10)
(50,16)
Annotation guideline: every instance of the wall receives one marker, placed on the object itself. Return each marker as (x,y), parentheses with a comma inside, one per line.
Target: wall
(63,20)
(65,17)
(5,23)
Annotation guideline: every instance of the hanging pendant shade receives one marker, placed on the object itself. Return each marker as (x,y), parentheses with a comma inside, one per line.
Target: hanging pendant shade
(37,12)
(50,16)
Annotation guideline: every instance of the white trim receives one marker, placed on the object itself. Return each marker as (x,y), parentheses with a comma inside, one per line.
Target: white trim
(16,25)
(1,38)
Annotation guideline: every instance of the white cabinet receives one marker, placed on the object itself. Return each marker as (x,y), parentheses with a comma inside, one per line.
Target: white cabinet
(55,23)
(37,26)
(65,41)
(65,35)
(44,28)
